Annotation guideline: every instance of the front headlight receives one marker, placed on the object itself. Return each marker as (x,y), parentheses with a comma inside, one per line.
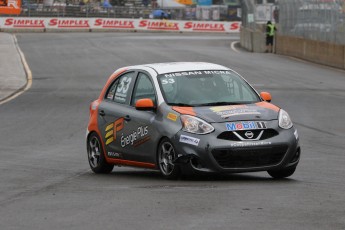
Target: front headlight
(195,125)
(284,120)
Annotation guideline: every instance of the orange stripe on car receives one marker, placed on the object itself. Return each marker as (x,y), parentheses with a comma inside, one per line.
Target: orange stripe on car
(131,163)
(184,110)
(267,105)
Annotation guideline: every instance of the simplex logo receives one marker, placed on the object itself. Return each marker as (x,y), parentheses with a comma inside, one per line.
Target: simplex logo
(69,23)
(159,25)
(24,23)
(114,23)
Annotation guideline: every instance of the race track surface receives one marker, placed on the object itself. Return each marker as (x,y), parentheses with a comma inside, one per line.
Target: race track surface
(45,178)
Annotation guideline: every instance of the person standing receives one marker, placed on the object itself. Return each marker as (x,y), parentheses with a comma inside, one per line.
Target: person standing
(270,32)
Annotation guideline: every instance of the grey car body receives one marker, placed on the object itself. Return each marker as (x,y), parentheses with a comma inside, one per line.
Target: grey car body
(203,117)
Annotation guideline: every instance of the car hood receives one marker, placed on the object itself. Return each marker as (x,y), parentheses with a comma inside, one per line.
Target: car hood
(250,112)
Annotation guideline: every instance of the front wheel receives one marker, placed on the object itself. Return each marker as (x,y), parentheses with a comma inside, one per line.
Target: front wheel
(95,154)
(166,156)
(282,173)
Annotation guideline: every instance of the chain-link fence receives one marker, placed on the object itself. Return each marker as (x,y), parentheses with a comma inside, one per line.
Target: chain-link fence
(248,9)
(257,13)
(313,19)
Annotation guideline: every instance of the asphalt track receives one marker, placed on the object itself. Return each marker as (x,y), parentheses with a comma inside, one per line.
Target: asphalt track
(45,181)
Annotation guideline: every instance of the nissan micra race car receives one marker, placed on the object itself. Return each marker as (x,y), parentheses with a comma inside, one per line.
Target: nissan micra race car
(189,117)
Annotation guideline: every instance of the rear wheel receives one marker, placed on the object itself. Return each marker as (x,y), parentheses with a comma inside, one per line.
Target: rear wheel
(95,154)
(166,157)
(282,173)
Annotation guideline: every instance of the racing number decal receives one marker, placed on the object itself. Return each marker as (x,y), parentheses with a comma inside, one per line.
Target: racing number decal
(124,85)
(112,129)
(168,81)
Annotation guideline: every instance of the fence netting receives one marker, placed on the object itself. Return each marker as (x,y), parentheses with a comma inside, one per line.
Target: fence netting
(322,20)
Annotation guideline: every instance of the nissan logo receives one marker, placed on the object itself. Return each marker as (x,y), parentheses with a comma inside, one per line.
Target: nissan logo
(249,134)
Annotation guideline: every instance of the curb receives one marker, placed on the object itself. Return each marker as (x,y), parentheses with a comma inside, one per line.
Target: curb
(28,74)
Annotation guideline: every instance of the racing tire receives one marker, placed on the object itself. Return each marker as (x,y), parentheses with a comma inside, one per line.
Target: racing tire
(95,155)
(165,157)
(282,173)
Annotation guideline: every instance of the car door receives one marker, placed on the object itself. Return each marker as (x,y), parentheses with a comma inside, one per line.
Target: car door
(112,120)
(143,148)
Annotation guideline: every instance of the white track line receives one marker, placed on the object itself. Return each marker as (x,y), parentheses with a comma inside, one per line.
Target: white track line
(233,46)
(27,72)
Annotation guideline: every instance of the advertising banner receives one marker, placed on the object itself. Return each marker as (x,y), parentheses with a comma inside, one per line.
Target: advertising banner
(99,24)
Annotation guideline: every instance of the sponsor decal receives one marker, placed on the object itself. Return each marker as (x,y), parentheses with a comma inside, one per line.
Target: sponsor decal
(237,112)
(179,74)
(113,154)
(172,116)
(24,23)
(189,140)
(158,25)
(114,23)
(10,6)
(246,125)
(141,141)
(217,72)
(135,138)
(69,23)
(204,26)
(112,129)
(195,73)
(227,107)
(250,144)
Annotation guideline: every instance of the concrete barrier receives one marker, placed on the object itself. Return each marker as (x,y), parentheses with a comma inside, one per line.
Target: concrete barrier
(311,50)
(253,40)
(315,51)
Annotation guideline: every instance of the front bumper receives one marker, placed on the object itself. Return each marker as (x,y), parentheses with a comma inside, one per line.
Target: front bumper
(218,155)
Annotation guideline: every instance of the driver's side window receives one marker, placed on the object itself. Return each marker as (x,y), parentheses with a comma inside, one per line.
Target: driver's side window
(143,89)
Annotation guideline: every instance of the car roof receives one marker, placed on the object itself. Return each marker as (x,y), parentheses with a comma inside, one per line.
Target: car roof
(171,67)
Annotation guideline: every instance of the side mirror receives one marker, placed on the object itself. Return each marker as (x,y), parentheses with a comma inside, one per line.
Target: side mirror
(144,104)
(266,96)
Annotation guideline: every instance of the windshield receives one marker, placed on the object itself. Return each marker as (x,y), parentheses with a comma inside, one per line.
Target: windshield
(206,88)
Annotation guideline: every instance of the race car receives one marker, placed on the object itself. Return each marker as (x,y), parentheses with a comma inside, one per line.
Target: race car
(189,117)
